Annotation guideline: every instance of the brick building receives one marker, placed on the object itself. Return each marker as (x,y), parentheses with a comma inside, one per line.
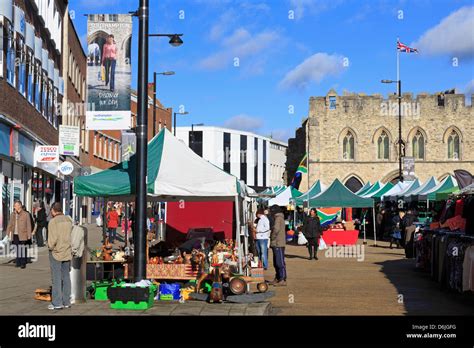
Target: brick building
(354,137)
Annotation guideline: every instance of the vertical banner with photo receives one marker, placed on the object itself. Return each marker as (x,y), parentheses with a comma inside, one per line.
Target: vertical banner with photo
(109,39)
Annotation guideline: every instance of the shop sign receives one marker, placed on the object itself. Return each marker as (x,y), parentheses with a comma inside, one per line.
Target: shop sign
(69,140)
(47,154)
(66,168)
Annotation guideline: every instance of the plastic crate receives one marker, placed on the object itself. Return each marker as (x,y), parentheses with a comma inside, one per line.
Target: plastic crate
(100,290)
(131,297)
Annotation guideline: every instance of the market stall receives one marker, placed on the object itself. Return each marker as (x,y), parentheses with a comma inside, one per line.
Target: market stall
(337,195)
(377,195)
(313,191)
(285,197)
(426,187)
(374,188)
(364,189)
(176,174)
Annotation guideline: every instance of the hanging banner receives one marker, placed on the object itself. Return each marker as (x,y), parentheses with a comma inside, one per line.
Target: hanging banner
(109,72)
(69,140)
(129,146)
(409,168)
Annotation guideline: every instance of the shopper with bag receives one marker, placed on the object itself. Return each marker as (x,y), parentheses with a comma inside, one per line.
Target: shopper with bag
(60,256)
(19,230)
(278,243)
(312,231)
(109,61)
(262,237)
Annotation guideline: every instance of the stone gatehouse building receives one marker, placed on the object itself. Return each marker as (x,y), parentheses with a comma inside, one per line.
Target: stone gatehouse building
(355,137)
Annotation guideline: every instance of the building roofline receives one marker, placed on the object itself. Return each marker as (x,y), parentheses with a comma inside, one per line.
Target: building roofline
(231,130)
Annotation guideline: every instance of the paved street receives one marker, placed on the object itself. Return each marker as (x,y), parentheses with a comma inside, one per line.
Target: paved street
(329,286)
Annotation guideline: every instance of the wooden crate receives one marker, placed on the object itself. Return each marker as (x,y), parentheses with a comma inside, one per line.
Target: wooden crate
(166,271)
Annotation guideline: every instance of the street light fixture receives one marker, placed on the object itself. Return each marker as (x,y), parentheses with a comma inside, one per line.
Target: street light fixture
(400,141)
(175,39)
(165,73)
(178,113)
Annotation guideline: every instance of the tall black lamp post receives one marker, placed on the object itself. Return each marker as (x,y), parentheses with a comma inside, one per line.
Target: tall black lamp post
(139,265)
(400,141)
(165,73)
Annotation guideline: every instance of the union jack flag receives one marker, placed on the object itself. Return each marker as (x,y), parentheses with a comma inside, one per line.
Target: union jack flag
(404,48)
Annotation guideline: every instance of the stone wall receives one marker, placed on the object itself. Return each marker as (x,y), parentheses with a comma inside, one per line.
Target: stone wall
(367,116)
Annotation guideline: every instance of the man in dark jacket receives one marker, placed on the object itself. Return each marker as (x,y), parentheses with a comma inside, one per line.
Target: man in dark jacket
(312,231)
(278,243)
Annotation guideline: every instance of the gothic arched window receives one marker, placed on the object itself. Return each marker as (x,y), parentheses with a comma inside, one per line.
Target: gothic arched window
(453,145)
(348,146)
(383,146)
(418,145)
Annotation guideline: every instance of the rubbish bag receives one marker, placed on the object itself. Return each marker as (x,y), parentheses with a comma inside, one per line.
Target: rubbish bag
(322,244)
(98,221)
(302,239)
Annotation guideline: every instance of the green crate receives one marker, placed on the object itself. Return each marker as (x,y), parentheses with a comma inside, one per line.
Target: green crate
(100,290)
(142,305)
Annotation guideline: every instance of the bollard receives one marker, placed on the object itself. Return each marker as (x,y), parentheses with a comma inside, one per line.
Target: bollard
(78,274)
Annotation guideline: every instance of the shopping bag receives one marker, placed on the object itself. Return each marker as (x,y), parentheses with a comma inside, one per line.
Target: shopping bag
(322,244)
(302,239)
(98,221)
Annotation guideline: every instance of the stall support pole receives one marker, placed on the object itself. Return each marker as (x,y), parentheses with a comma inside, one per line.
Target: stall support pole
(237,232)
(375,228)
(125,224)
(104,220)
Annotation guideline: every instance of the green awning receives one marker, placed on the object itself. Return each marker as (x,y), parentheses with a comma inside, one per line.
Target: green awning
(443,195)
(337,195)
(378,195)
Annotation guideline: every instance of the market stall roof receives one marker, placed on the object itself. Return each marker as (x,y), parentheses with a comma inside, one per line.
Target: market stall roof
(337,195)
(313,191)
(283,199)
(443,195)
(427,186)
(378,194)
(447,183)
(364,189)
(407,190)
(468,189)
(374,188)
(395,190)
(174,172)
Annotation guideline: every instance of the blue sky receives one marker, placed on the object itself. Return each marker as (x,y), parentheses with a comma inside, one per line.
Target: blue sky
(290,50)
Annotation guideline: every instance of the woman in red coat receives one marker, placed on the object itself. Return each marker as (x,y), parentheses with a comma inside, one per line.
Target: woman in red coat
(112,224)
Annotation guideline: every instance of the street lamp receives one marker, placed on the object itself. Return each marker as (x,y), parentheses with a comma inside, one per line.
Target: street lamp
(139,235)
(175,39)
(400,141)
(192,133)
(174,117)
(165,73)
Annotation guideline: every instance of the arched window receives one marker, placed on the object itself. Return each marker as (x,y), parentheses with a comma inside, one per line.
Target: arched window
(348,146)
(418,145)
(353,184)
(383,146)
(453,145)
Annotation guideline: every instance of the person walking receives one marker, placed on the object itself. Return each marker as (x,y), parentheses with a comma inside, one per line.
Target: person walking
(278,243)
(19,230)
(109,61)
(41,223)
(60,256)
(112,224)
(399,223)
(312,231)
(262,237)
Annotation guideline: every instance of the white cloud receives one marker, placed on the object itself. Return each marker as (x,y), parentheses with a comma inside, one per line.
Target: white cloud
(244,122)
(314,7)
(223,24)
(240,44)
(313,69)
(454,35)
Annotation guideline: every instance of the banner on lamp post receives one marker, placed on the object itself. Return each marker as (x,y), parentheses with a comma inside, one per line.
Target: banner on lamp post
(69,140)
(109,72)
(409,168)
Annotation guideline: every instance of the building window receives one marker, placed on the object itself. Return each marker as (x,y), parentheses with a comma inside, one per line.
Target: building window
(226,149)
(264,163)
(332,103)
(453,145)
(10,53)
(243,158)
(255,155)
(109,153)
(348,147)
(383,146)
(30,78)
(44,92)
(21,54)
(418,145)
(37,82)
(195,142)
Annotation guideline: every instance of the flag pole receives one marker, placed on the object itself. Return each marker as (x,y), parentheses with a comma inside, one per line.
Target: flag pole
(398,62)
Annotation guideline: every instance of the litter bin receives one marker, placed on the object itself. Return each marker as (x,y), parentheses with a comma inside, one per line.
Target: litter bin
(78,274)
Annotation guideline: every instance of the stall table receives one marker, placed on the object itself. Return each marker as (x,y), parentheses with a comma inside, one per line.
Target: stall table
(340,237)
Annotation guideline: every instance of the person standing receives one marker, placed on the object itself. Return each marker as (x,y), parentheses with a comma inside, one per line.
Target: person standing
(379,218)
(41,223)
(112,224)
(60,256)
(278,243)
(399,222)
(19,230)
(262,237)
(109,61)
(312,231)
